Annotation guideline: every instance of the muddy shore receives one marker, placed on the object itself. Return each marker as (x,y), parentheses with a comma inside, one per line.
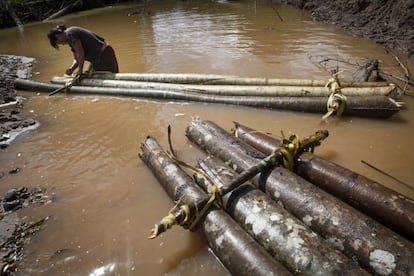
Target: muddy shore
(11,124)
(12,229)
(389,22)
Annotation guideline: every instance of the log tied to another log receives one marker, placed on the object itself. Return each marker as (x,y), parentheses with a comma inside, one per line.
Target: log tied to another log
(234,90)
(238,252)
(285,237)
(217,79)
(376,248)
(370,106)
(379,202)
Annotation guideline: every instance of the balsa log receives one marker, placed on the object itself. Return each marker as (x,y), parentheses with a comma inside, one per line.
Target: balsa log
(238,252)
(192,78)
(234,90)
(285,237)
(373,106)
(376,248)
(379,202)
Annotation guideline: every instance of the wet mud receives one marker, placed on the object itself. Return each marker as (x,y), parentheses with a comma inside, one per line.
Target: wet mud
(389,23)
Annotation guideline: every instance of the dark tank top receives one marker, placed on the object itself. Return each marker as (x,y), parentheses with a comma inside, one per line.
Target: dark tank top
(92,43)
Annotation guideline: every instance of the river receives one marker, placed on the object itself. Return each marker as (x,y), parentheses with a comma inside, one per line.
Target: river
(85,152)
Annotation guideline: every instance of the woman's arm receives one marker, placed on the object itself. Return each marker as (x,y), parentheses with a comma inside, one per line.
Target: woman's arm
(79,55)
(70,70)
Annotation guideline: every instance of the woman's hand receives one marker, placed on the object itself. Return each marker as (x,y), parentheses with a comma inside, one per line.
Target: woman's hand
(69,71)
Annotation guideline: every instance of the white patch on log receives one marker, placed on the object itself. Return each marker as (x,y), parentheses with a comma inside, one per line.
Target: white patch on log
(257,222)
(276,194)
(170,169)
(219,241)
(307,220)
(208,137)
(256,209)
(382,261)
(275,217)
(335,220)
(295,241)
(211,227)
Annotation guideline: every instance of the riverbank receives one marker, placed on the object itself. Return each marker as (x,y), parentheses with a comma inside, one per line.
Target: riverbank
(14,231)
(11,124)
(389,23)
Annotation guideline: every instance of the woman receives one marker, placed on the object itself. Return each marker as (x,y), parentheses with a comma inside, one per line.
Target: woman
(85,45)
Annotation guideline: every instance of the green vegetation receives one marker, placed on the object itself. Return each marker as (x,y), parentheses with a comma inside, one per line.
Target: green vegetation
(20,12)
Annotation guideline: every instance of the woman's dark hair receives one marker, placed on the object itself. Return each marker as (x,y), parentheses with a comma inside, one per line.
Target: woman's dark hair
(52,35)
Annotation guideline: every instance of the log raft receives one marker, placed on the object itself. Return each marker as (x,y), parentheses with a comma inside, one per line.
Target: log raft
(238,252)
(363,106)
(377,248)
(377,201)
(285,237)
(191,78)
(234,90)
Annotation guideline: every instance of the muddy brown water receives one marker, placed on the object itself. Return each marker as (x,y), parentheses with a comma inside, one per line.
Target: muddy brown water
(86,150)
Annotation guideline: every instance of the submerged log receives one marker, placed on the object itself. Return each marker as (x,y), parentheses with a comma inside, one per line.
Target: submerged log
(234,90)
(379,202)
(238,252)
(374,106)
(285,237)
(376,248)
(222,79)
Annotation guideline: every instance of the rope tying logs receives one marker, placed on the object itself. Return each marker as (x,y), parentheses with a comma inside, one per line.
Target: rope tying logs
(336,101)
(289,149)
(188,214)
(68,85)
(293,146)
(180,214)
(213,194)
(75,81)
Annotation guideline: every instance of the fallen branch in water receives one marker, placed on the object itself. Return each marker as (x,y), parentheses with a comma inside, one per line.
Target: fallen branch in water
(407,72)
(277,13)
(387,174)
(64,11)
(397,78)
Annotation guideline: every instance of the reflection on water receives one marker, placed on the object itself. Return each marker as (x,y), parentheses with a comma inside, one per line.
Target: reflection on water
(103,270)
(85,151)
(196,33)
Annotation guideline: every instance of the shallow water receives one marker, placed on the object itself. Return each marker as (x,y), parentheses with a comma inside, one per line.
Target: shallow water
(86,150)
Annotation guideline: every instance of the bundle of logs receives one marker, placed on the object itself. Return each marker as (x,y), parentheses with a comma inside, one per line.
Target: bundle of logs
(271,207)
(365,99)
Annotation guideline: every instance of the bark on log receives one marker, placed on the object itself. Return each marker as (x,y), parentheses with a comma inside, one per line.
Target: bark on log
(285,237)
(238,252)
(376,248)
(374,106)
(379,202)
(234,90)
(223,79)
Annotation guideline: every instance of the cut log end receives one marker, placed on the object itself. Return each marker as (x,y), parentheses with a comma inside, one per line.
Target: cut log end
(156,231)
